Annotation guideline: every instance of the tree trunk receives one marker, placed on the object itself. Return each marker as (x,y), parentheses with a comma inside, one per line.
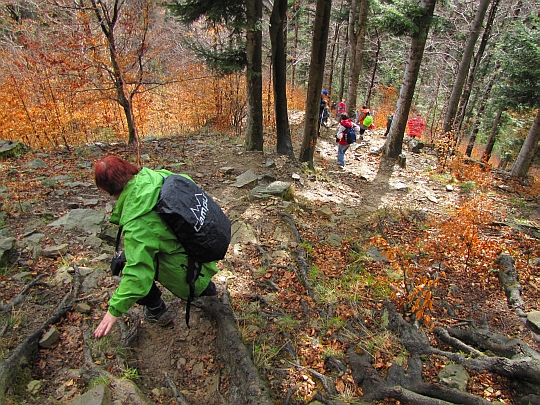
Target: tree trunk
(392,147)
(316,72)
(472,138)
(356,44)
(295,45)
(343,65)
(468,88)
(334,50)
(448,124)
(528,150)
(492,137)
(107,25)
(254,121)
(373,74)
(279,63)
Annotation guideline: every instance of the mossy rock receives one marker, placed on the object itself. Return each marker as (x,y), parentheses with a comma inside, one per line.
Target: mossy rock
(10,149)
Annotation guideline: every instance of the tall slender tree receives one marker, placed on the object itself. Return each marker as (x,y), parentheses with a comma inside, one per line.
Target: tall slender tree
(316,73)
(392,146)
(479,114)
(279,71)
(463,70)
(254,122)
(529,150)
(356,45)
(492,138)
(476,63)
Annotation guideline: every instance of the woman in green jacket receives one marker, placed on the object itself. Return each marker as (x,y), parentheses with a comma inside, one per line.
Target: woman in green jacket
(151,248)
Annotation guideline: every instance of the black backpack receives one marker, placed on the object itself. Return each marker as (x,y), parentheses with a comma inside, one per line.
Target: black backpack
(350,135)
(198,222)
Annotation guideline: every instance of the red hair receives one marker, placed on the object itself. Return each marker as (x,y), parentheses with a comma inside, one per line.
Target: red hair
(112,174)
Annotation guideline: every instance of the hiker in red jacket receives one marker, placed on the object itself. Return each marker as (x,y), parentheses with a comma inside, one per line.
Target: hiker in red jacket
(416,126)
(341,137)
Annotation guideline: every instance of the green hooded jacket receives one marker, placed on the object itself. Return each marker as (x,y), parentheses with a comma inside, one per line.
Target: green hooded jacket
(150,246)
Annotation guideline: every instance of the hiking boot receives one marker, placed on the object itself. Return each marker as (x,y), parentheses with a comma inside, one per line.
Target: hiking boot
(210,290)
(160,316)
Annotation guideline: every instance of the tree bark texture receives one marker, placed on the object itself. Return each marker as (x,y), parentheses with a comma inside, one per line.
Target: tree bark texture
(316,72)
(343,68)
(254,121)
(528,150)
(463,70)
(492,137)
(508,278)
(295,10)
(356,43)
(393,146)
(279,63)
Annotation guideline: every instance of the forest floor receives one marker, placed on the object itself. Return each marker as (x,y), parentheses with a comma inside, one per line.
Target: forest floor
(372,206)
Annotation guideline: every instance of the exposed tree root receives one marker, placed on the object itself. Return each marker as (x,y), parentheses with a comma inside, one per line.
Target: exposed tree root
(516,361)
(20,298)
(508,278)
(250,389)
(24,352)
(301,259)
(128,334)
(177,395)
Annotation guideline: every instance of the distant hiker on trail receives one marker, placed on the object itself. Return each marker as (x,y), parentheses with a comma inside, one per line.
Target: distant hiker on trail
(341,108)
(389,119)
(416,126)
(363,114)
(366,123)
(153,252)
(341,137)
(323,109)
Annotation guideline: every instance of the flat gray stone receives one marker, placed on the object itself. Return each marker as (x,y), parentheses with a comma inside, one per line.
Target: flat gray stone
(276,188)
(99,395)
(454,376)
(533,321)
(248,178)
(50,338)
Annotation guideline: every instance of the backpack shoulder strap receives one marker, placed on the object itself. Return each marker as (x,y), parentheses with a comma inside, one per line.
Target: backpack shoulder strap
(118,237)
(192,274)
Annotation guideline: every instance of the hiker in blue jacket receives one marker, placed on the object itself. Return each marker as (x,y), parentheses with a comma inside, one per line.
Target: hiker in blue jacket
(152,250)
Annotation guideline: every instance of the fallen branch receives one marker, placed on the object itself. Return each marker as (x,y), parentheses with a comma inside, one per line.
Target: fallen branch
(516,361)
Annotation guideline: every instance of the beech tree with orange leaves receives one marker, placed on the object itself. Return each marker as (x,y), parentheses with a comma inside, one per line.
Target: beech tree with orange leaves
(117,55)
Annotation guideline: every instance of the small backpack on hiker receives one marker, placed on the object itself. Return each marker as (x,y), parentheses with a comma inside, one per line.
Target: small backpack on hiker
(350,135)
(368,121)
